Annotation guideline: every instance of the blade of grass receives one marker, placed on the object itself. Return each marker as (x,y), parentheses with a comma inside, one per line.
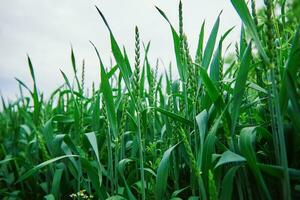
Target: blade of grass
(162,174)
(41,165)
(243,11)
(209,48)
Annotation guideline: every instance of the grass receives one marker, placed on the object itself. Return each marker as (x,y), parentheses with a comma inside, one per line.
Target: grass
(227,128)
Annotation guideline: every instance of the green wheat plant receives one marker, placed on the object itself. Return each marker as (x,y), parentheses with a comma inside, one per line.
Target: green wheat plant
(227,127)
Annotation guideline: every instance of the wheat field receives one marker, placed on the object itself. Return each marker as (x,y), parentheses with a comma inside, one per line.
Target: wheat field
(228,127)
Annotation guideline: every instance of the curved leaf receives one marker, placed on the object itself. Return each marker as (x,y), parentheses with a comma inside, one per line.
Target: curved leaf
(229,157)
(247,138)
(227,184)
(41,165)
(162,174)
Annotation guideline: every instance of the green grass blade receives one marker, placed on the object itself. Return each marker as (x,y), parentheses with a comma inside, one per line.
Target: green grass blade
(107,95)
(240,86)
(73,60)
(214,72)
(242,9)
(227,184)
(35,96)
(229,157)
(199,51)
(49,197)
(6,159)
(209,48)
(41,165)
(24,85)
(182,70)
(277,171)
(109,101)
(211,89)
(121,168)
(93,175)
(174,116)
(91,136)
(56,182)
(290,71)
(202,120)
(162,174)
(123,65)
(247,138)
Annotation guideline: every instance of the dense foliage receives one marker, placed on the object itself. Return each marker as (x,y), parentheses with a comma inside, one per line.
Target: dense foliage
(228,127)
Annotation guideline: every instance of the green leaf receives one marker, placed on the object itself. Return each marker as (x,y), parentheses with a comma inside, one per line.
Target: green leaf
(229,157)
(211,89)
(49,197)
(174,116)
(193,198)
(257,88)
(41,165)
(48,134)
(77,110)
(107,95)
(73,61)
(247,138)
(243,11)
(209,48)
(95,179)
(24,85)
(227,184)
(162,174)
(182,70)
(208,150)
(34,94)
(290,72)
(31,69)
(121,61)
(75,68)
(240,86)
(121,168)
(200,42)
(205,160)
(7,159)
(202,120)
(93,141)
(214,72)
(116,197)
(56,182)
(216,61)
(112,71)
(277,171)
(96,113)
(177,192)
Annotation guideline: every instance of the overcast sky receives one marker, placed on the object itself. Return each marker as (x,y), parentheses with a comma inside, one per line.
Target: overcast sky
(45,29)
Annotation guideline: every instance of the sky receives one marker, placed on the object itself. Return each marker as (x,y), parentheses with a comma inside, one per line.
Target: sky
(46,30)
